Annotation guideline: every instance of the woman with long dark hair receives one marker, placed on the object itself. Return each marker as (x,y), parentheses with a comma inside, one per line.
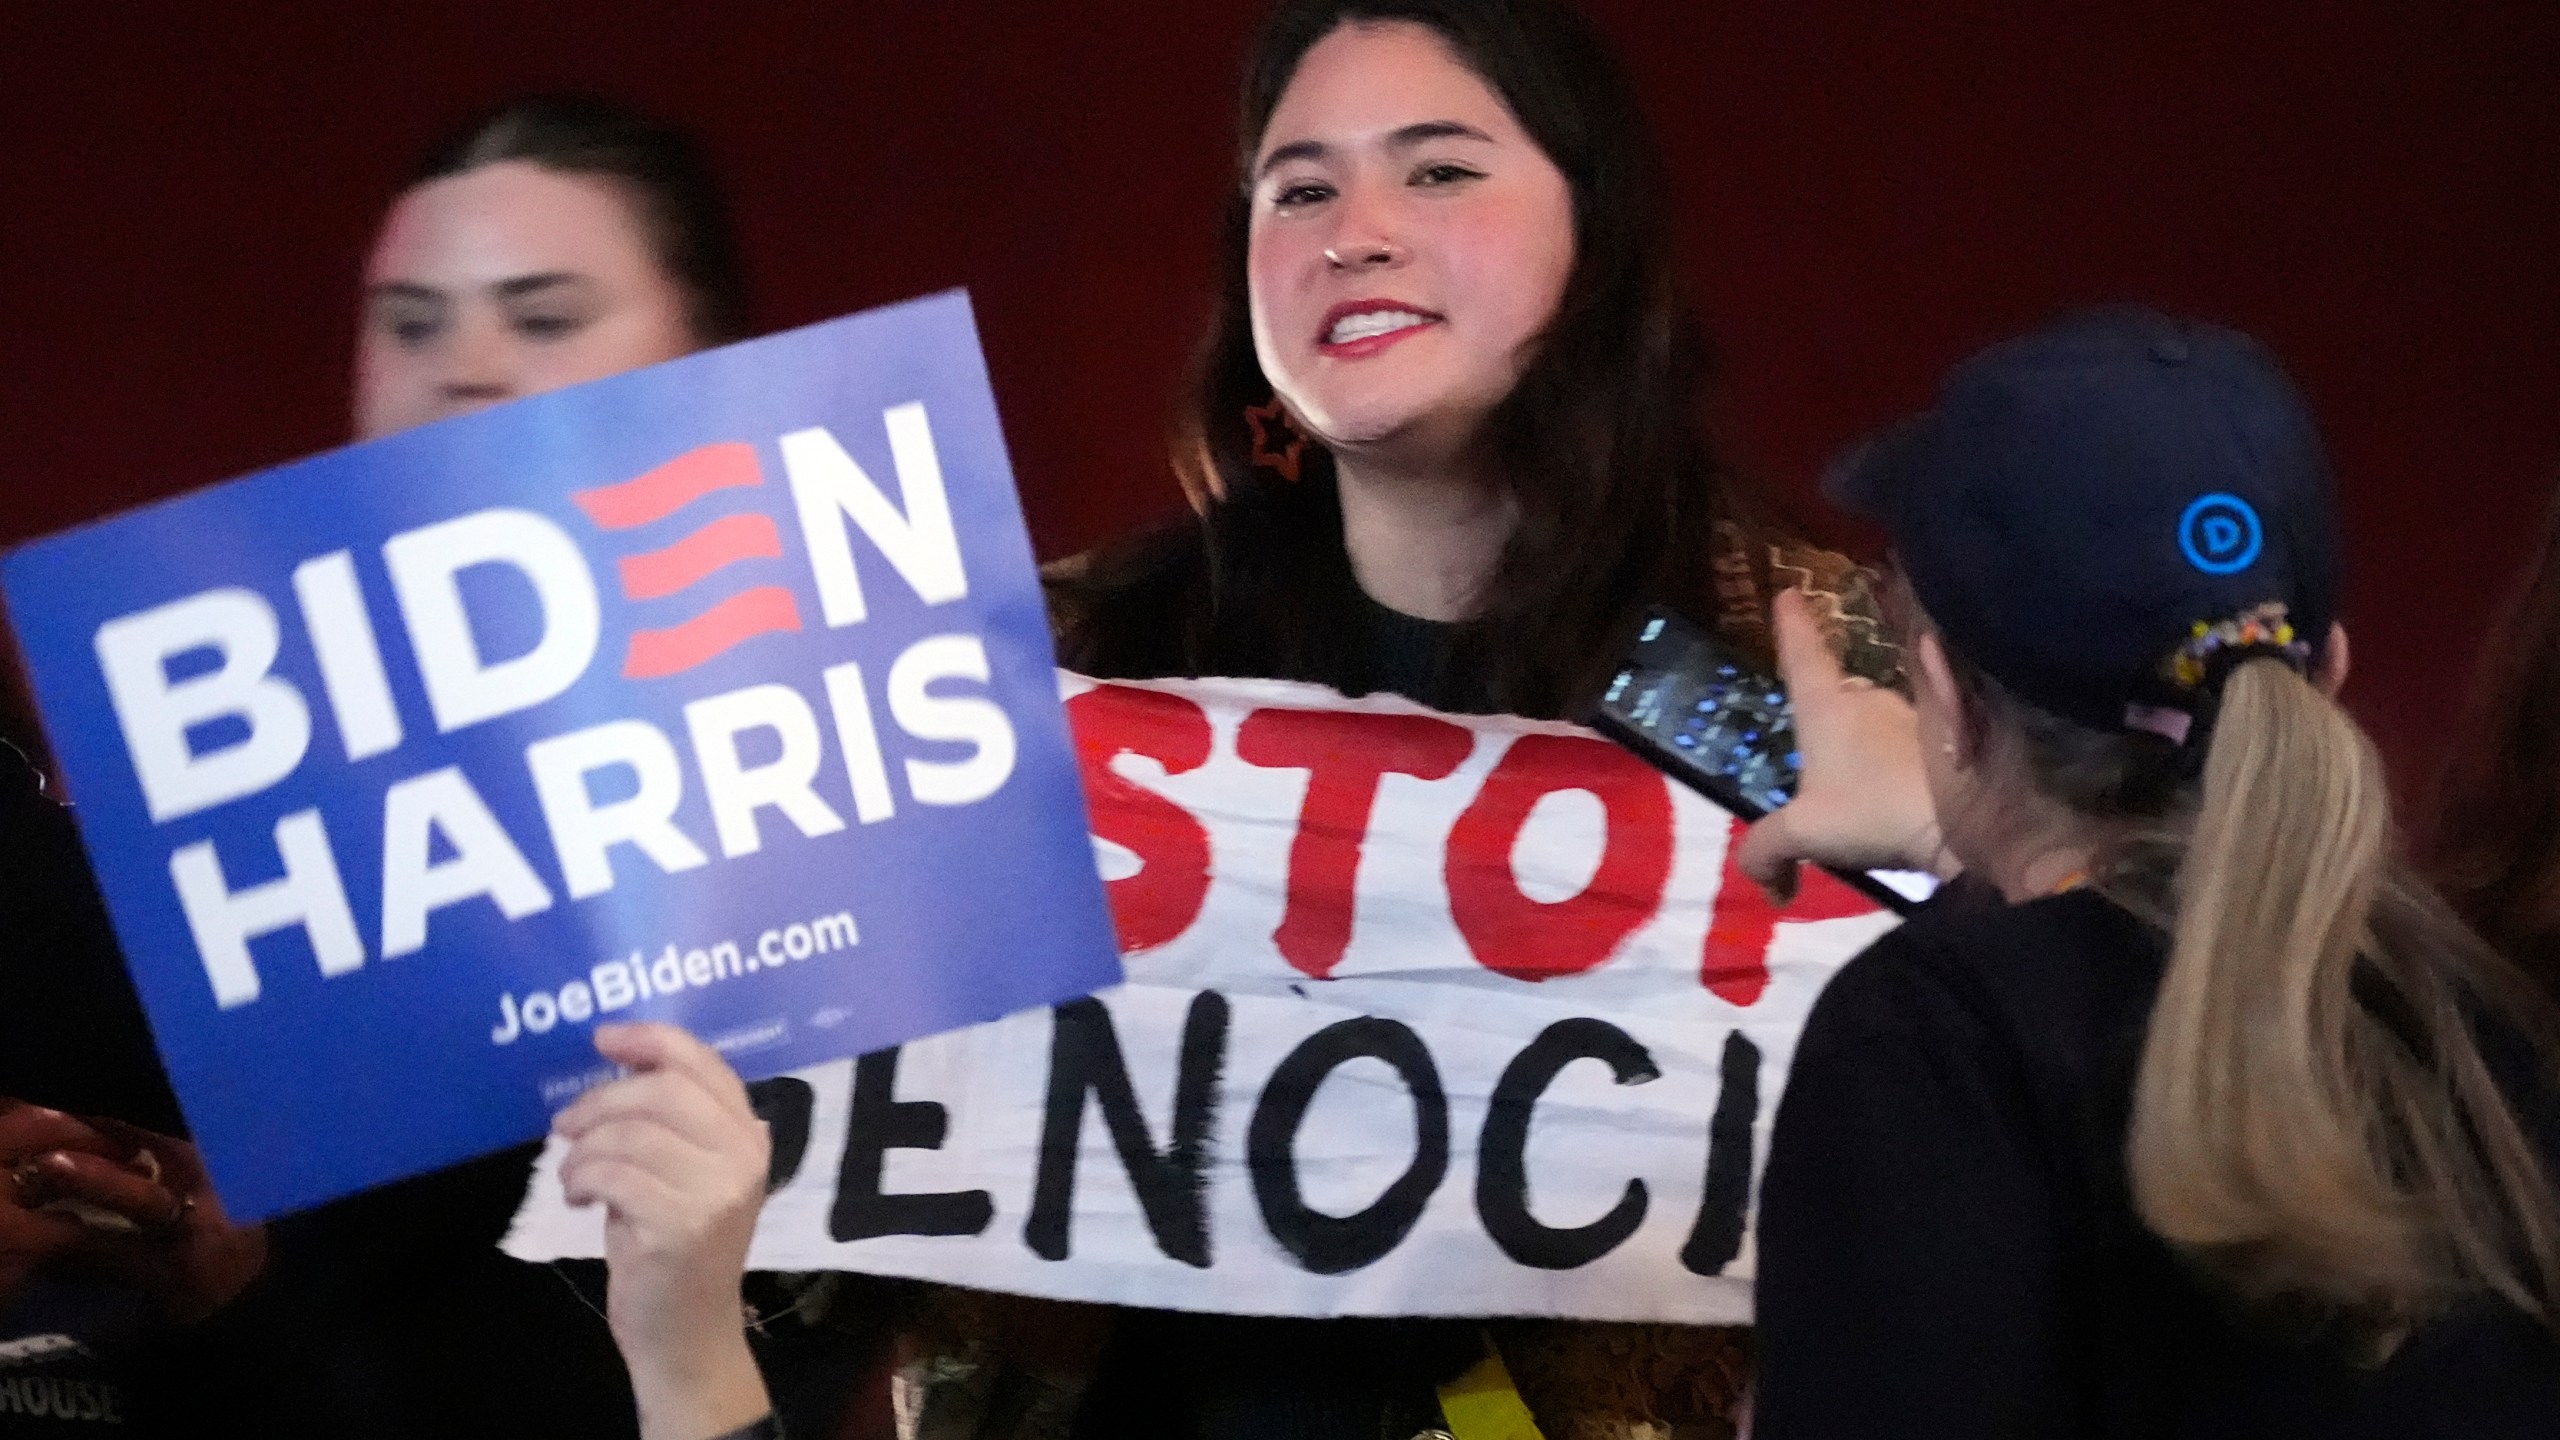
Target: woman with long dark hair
(1444,438)
(1444,433)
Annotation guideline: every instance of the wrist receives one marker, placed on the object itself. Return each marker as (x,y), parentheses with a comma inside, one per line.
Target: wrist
(705,1390)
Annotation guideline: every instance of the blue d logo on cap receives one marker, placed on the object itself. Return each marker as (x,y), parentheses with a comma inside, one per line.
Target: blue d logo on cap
(2220,534)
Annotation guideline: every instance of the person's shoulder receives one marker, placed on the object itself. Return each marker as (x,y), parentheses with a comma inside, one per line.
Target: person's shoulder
(2064,960)
(1066,583)
(1125,611)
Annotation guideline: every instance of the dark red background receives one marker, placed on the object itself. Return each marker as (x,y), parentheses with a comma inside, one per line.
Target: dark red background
(1869,191)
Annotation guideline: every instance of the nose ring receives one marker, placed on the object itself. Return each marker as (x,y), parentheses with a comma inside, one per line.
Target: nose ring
(1375,252)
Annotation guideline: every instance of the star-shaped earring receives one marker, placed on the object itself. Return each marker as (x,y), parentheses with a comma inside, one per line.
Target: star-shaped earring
(1270,423)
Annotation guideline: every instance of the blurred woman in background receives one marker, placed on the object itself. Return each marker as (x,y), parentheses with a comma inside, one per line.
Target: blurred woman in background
(553,241)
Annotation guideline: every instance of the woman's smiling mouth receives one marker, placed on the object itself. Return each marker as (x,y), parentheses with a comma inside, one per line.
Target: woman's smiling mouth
(1361,328)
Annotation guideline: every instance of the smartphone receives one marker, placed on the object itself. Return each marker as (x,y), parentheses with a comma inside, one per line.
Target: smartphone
(1712,719)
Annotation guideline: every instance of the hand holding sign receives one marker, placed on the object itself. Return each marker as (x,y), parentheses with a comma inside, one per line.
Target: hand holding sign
(120,1201)
(1426,1014)
(678,1160)
(709,693)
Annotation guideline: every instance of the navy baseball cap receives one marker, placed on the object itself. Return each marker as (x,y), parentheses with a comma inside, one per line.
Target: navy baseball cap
(2084,497)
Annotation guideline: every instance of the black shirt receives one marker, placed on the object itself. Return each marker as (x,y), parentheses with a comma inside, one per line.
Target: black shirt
(1182,1376)
(72,1035)
(1948,1244)
(1406,655)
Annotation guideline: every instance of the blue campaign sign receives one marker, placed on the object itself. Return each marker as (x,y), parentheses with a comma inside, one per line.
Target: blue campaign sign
(719,692)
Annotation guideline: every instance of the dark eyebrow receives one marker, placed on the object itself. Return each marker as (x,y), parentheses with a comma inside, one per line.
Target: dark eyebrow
(1294,150)
(1428,130)
(1419,133)
(517,287)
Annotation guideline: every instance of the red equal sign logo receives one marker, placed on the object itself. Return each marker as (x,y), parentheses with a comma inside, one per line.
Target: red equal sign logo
(695,559)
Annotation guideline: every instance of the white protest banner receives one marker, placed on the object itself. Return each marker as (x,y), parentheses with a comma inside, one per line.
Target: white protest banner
(1425,1015)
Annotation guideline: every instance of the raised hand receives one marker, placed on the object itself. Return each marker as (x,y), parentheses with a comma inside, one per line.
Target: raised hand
(1864,802)
(678,1160)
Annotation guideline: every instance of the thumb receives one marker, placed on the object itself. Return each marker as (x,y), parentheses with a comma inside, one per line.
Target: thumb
(639,1046)
(1768,854)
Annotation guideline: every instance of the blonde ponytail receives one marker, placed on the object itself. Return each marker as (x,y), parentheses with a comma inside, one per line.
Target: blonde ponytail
(2313,1120)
